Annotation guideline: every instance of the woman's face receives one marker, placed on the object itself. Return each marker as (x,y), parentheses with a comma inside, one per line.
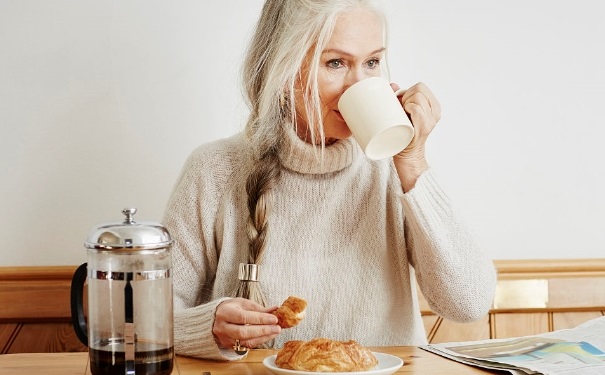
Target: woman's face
(353,53)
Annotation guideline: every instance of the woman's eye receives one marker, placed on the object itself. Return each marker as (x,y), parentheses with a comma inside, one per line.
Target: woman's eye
(373,63)
(335,64)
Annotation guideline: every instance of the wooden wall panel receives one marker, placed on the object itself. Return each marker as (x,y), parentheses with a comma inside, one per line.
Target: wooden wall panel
(34,294)
(565,320)
(8,332)
(35,301)
(46,338)
(519,324)
(576,292)
(547,268)
(35,310)
(451,331)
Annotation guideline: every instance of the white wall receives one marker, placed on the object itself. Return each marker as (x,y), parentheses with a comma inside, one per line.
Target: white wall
(102,101)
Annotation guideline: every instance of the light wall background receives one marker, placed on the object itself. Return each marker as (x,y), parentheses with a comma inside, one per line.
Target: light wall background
(102,101)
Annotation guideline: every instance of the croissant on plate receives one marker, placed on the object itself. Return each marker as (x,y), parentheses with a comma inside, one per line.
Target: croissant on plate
(325,355)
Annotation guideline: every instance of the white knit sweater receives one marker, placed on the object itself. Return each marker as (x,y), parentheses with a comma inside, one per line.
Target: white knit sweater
(342,235)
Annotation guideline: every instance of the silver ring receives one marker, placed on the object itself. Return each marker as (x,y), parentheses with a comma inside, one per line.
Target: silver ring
(241,350)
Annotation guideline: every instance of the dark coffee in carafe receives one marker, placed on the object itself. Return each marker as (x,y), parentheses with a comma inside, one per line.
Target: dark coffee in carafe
(157,362)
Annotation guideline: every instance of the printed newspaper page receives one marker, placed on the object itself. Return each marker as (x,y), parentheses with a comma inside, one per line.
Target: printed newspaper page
(576,351)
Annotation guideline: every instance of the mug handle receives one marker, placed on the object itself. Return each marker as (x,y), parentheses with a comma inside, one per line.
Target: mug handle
(77,309)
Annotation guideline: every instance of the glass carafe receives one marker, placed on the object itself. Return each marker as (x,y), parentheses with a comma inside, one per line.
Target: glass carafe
(129,329)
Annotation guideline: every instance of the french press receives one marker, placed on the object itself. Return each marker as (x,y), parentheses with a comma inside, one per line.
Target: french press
(130,318)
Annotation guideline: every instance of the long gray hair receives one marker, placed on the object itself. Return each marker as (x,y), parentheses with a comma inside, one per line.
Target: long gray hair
(290,34)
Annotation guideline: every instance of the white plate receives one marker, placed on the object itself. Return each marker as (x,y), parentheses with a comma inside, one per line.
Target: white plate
(387,364)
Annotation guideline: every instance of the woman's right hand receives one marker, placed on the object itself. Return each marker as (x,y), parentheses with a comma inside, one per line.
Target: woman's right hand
(244,320)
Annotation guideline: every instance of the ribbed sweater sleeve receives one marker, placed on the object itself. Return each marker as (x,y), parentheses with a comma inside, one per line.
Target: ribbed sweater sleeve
(456,277)
(193,327)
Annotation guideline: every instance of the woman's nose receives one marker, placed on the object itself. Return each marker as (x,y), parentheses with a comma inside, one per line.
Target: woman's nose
(354,76)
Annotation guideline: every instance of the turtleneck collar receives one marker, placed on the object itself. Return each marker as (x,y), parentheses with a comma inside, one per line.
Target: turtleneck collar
(302,157)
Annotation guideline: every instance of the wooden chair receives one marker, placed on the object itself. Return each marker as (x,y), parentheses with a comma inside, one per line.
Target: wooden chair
(532,297)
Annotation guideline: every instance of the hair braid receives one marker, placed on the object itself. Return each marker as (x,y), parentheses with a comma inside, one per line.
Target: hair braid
(259,187)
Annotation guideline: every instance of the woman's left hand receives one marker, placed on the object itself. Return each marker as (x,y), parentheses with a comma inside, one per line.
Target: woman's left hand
(424,110)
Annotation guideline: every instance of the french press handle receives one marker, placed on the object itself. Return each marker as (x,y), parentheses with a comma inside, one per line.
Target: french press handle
(77,307)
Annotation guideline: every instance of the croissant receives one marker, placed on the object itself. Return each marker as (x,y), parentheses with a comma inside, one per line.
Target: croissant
(325,355)
(291,312)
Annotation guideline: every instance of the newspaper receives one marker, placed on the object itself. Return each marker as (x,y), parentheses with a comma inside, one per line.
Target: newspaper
(575,351)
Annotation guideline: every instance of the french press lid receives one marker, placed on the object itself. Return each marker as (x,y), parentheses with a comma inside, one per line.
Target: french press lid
(128,236)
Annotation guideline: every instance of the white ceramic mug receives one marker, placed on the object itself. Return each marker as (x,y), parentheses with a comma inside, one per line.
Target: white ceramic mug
(376,118)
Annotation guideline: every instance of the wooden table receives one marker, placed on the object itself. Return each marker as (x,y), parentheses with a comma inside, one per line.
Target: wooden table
(416,361)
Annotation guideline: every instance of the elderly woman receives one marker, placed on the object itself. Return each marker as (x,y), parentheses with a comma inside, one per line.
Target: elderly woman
(294,200)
